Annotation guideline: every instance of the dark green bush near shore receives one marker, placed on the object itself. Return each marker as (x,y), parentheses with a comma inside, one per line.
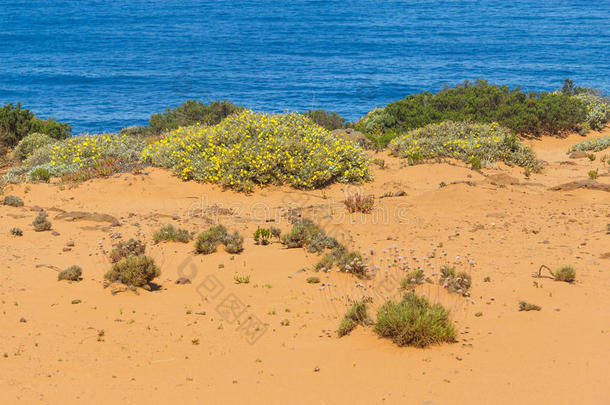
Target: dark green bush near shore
(190,113)
(325,119)
(16,123)
(532,113)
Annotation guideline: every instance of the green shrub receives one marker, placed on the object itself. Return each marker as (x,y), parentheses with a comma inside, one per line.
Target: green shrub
(526,306)
(359,203)
(565,273)
(207,242)
(123,249)
(592,174)
(414,322)
(356,315)
(481,102)
(325,119)
(192,112)
(305,234)
(16,123)
(170,233)
(72,273)
(16,232)
(486,143)
(41,223)
(455,283)
(13,201)
(30,143)
(136,271)
(40,174)
(595,145)
(251,148)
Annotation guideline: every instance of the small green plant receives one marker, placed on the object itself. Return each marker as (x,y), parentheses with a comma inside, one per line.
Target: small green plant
(413,278)
(13,201)
(40,174)
(414,322)
(591,157)
(262,236)
(16,232)
(123,250)
(313,280)
(566,273)
(195,341)
(207,242)
(30,143)
(592,174)
(475,163)
(136,271)
(359,203)
(241,279)
(487,279)
(41,223)
(305,234)
(72,273)
(526,306)
(355,315)
(455,283)
(170,233)
(379,162)
(595,145)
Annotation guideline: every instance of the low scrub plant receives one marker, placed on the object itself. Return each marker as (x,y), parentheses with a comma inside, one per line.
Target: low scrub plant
(207,242)
(592,174)
(455,282)
(135,271)
(355,315)
(132,247)
(250,148)
(17,122)
(359,203)
(262,236)
(16,232)
(414,322)
(598,109)
(30,143)
(595,145)
(327,120)
(478,144)
(40,174)
(13,201)
(41,223)
(313,280)
(170,233)
(190,113)
(306,234)
(566,273)
(413,278)
(72,273)
(241,279)
(526,306)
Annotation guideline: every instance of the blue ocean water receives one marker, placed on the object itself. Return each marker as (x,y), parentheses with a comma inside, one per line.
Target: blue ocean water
(104,65)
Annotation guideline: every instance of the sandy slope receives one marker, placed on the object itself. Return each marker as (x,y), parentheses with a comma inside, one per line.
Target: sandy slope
(559,355)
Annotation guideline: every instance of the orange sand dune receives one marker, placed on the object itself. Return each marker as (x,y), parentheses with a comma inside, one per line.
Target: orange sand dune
(509,226)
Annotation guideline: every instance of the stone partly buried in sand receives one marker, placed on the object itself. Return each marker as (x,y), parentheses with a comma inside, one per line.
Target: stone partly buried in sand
(587,183)
(87,216)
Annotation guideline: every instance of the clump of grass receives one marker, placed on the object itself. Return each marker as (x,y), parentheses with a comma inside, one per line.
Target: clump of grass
(170,233)
(305,234)
(313,280)
(241,279)
(41,223)
(72,273)
(123,250)
(207,242)
(478,144)
(487,279)
(593,174)
(40,174)
(136,271)
(591,157)
(413,278)
(414,322)
(566,273)
(359,203)
(13,201)
(526,306)
(455,282)
(355,315)
(347,261)
(16,232)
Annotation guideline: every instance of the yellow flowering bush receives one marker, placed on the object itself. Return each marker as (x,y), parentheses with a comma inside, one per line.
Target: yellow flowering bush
(79,153)
(252,148)
(466,141)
